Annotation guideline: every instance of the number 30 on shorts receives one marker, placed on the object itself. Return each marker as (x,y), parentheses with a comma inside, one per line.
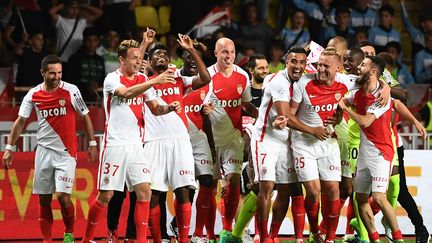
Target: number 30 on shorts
(299,162)
(108,168)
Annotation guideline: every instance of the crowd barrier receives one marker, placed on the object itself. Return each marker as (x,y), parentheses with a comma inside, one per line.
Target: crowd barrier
(19,207)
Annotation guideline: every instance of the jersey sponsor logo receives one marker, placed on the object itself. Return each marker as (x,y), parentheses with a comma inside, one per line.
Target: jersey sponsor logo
(239,88)
(53,112)
(186,172)
(324,107)
(65,179)
(192,108)
(228,103)
(167,91)
(133,101)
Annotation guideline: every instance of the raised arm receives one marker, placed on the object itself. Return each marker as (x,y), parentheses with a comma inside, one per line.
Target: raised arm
(91,13)
(53,12)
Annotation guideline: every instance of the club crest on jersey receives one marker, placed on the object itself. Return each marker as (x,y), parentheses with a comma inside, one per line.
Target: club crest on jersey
(202,94)
(239,89)
(62,102)
(338,96)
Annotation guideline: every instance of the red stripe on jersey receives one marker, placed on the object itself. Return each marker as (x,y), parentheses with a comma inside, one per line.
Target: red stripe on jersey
(57,109)
(136,108)
(324,99)
(256,160)
(379,132)
(170,92)
(193,103)
(270,104)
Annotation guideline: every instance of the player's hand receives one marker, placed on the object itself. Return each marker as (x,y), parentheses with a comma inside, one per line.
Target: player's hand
(331,120)
(93,154)
(185,42)
(321,133)
(420,128)
(7,159)
(342,105)
(149,36)
(280,122)
(384,95)
(175,106)
(165,77)
(207,109)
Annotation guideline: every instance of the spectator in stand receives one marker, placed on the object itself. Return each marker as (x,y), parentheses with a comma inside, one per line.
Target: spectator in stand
(253,32)
(423,62)
(29,59)
(119,15)
(417,35)
(70,25)
(108,51)
(342,27)
(321,16)
(276,54)
(86,68)
(361,35)
(384,33)
(400,72)
(362,15)
(297,35)
(6,55)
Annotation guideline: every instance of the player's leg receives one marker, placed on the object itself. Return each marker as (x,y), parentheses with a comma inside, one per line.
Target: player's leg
(280,208)
(163,217)
(203,203)
(263,207)
(68,213)
(366,215)
(154,217)
(95,211)
(142,210)
(183,211)
(45,217)
(113,215)
(131,232)
(298,210)
(331,215)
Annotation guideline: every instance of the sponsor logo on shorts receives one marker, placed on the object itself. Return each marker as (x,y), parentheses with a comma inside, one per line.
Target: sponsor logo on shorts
(381,179)
(345,163)
(334,167)
(235,161)
(206,162)
(67,187)
(186,172)
(146,171)
(291,170)
(65,179)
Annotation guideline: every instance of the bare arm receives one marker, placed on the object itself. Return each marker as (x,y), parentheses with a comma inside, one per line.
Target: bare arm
(250,109)
(399,93)
(138,89)
(363,120)
(158,109)
(403,111)
(209,132)
(53,12)
(148,38)
(91,13)
(384,95)
(92,150)
(17,128)
(294,107)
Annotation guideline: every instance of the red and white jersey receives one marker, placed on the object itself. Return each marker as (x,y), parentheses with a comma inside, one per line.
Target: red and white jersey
(124,121)
(193,103)
(317,101)
(378,136)
(228,95)
(172,124)
(56,115)
(277,87)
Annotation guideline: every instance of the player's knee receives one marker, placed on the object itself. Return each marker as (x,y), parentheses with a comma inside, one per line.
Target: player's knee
(105,196)
(296,189)
(206,180)
(154,201)
(233,180)
(182,195)
(379,198)
(64,199)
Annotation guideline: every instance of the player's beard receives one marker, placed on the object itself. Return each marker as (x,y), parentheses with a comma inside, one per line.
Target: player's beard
(258,78)
(362,79)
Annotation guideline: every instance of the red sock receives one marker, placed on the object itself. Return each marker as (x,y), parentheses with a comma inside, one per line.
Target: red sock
(274,229)
(154,223)
(374,236)
(350,214)
(324,213)
(141,216)
(211,218)
(298,212)
(332,218)
(68,218)
(375,207)
(256,224)
(312,209)
(397,235)
(202,207)
(263,231)
(45,219)
(93,218)
(183,216)
(231,200)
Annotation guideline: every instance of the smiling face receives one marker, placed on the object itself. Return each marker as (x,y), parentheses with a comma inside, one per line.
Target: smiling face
(189,64)
(131,62)
(52,75)
(351,62)
(225,53)
(295,64)
(328,65)
(160,60)
(364,71)
(260,71)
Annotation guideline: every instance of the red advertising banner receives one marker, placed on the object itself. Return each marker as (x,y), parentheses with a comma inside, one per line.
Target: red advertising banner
(19,207)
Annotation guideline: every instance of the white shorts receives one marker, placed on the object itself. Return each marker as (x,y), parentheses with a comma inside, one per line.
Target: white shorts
(202,154)
(229,158)
(172,163)
(54,171)
(273,162)
(123,164)
(320,160)
(372,174)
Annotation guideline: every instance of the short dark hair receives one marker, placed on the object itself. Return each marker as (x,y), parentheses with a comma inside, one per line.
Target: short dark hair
(356,51)
(395,45)
(362,29)
(252,60)
(90,31)
(50,59)
(378,63)
(387,8)
(295,49)
(158,47)
(342,9)
(364,43)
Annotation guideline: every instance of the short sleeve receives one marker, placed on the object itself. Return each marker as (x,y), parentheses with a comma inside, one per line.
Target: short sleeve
(349,97)
(279,91)
(26,106)
(112,83)
(149,94)
(78,102)
(297,92)
(349,80)
(377,110)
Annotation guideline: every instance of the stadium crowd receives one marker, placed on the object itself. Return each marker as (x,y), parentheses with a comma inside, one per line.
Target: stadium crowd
(243,104)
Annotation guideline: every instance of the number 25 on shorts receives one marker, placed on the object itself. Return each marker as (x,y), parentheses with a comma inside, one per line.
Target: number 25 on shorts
(299,162)
(108,168)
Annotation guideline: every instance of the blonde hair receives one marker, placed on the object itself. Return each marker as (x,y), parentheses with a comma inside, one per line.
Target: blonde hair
(331,51)
(125,46)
